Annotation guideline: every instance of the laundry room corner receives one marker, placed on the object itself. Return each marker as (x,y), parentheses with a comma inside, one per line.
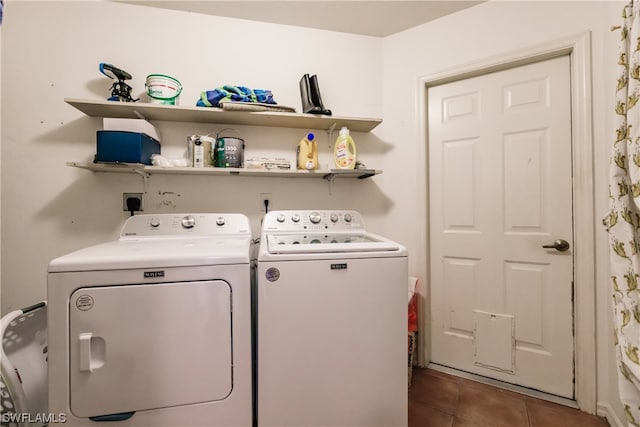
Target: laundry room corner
(68,208)
(510,34)
(257,183)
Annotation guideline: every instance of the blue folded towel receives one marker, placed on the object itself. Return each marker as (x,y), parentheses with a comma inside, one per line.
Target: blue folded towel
(213,98)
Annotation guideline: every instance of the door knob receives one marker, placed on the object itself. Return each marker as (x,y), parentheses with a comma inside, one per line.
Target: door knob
(559,245)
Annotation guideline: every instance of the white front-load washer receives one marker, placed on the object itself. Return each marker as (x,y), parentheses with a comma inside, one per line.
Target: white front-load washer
(331,323)
(154,329)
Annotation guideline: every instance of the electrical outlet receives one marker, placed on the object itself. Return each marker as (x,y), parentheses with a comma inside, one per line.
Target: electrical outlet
(136,201)
(262,208)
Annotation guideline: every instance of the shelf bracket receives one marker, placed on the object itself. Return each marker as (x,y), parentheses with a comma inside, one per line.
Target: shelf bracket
(330,134)
(138,114)
(145,179)
(329,177)
(367,175)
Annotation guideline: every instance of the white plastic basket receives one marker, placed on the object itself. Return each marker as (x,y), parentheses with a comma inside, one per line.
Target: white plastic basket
(23,363)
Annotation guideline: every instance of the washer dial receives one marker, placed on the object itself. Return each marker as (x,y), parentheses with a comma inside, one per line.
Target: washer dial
(315,217)
(188,221)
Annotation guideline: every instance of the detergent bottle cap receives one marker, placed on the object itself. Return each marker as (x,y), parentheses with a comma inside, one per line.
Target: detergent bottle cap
(310,136)
(344,130)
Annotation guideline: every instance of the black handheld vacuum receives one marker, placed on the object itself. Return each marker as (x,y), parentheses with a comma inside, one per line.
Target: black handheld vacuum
(120,91)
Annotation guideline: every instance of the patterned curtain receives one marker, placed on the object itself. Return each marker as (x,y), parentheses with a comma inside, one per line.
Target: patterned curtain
(623,220)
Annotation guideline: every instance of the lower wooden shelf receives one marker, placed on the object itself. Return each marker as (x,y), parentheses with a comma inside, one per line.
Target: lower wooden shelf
(275,173)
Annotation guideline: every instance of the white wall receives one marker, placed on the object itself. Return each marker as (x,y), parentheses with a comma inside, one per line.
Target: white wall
(51,50)
(483,32)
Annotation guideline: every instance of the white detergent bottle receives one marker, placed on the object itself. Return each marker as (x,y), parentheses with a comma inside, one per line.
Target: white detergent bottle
(344,150)
(308,153)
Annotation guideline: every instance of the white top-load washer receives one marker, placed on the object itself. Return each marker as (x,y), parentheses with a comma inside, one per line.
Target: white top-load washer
(154,329)
(331,322)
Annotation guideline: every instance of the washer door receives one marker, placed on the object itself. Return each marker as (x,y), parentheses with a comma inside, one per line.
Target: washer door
(140,347)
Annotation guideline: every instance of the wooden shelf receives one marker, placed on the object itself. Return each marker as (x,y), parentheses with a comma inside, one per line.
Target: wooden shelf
(140,110)
(149,170)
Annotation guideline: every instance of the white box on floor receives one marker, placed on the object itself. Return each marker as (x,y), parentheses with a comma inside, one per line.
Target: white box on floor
(131,125)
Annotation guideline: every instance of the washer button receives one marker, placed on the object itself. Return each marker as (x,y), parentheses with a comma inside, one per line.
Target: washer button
(220,221)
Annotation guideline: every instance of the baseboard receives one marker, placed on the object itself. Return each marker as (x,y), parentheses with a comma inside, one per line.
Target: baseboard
(605,410)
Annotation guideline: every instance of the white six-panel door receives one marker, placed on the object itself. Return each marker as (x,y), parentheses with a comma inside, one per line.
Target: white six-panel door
(499,189)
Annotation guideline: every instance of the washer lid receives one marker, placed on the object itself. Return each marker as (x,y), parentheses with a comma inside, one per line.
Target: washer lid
(156,252)
(312,243)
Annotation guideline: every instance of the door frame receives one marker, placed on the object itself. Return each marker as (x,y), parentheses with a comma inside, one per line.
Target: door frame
(578,48)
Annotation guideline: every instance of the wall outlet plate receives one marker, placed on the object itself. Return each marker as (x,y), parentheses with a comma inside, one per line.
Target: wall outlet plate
(126,196)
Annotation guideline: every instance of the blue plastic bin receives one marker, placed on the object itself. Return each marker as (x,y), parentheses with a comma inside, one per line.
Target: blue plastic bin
(116,146)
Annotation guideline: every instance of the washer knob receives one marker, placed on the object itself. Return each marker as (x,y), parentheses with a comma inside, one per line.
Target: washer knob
(188,222)
(280,218)
(295,218)
(347,217)
(154,223)
(315,217)
(220,221)
(334,217)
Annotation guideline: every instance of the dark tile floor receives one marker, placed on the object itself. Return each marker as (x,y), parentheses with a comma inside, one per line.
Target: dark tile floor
(437,399)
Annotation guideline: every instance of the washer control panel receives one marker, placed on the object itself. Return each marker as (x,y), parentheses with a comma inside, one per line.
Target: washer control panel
(319,220)
(186,224)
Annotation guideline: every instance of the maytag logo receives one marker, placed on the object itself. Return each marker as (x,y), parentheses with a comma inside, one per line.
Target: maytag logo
(152,274)
(339,266)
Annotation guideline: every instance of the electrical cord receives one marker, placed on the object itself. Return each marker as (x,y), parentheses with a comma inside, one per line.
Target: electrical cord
(133,204)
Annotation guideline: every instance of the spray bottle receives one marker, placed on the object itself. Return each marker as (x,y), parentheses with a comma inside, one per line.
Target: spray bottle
(344,150)
(308,153)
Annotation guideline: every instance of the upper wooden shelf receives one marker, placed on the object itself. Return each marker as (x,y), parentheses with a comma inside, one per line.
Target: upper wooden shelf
(176,113)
